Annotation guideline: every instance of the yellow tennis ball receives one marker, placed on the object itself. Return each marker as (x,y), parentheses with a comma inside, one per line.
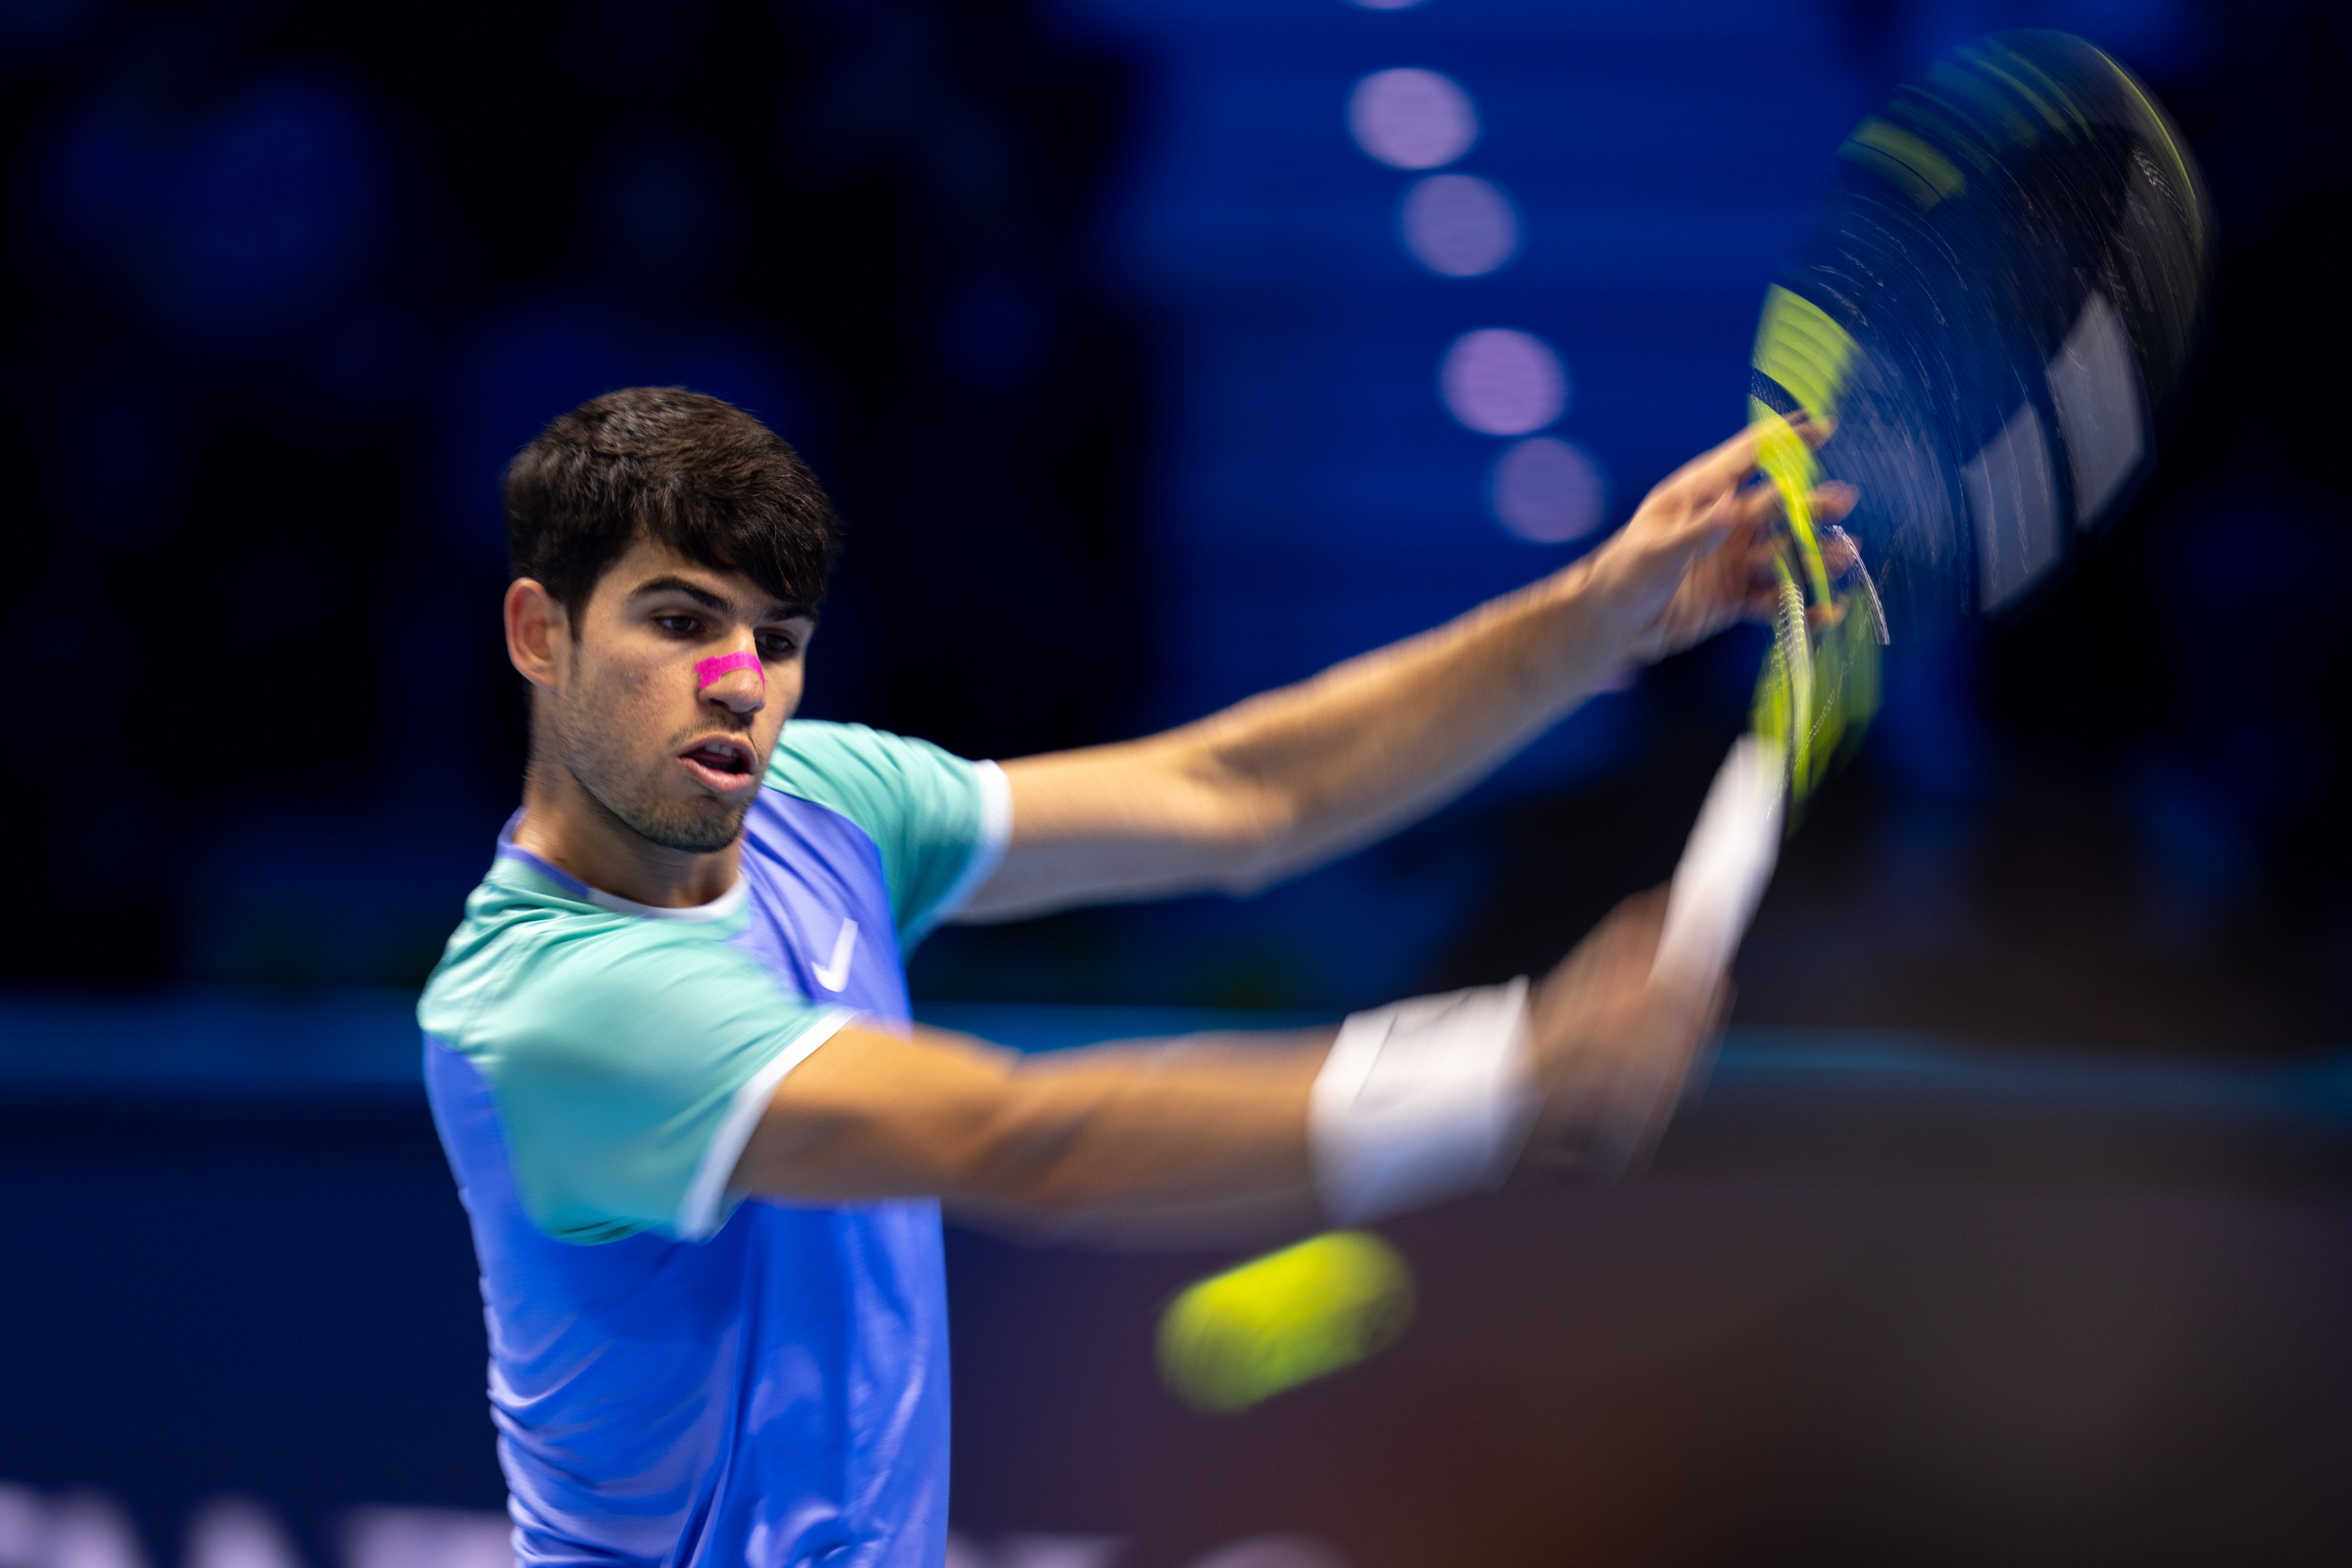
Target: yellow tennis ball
(1275,1322)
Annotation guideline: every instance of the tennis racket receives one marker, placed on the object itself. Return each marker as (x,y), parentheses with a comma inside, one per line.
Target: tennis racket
(1994,302)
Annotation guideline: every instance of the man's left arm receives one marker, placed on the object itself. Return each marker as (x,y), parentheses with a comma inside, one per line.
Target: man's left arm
(1288,779)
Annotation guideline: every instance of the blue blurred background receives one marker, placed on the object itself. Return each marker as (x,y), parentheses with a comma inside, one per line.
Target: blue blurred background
(1142,344)
(1120,345)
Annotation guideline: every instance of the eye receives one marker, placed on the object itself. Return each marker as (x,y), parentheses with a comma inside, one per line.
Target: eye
(777,645)
(678,625)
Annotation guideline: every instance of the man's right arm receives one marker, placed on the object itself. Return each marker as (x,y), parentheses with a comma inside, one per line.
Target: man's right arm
(1137,1133)
(1065,1139)
(1292,778)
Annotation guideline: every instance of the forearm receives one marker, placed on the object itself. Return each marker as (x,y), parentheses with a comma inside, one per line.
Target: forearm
(1123,1130)
(1382,739)
(1399,1107)
(1274,785)
(1285,780)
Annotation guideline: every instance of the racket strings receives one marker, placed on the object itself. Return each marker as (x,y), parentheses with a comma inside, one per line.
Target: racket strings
(1998,296)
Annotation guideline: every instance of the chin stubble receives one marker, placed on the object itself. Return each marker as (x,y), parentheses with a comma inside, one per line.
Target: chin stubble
(687,831)
(679,827)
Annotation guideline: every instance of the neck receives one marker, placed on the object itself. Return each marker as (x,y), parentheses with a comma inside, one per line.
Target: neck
(571,830)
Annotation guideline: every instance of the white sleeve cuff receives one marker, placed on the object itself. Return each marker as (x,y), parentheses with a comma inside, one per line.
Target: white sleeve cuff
(705,1204)
(995,832)
(1421,1100)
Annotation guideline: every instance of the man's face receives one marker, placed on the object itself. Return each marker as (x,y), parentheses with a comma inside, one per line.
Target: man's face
(675,760)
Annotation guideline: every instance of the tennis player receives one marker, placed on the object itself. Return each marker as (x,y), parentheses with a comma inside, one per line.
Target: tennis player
(668,1049)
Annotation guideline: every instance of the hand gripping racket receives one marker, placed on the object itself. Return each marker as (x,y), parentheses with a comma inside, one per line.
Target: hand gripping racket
(1994,301)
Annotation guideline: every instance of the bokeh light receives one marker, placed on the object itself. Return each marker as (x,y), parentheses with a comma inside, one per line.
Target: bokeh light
(1411,118)
(1498,381)
(1547,491)
(426,1538)
(238,1533)
(1459,224)
(90,1529)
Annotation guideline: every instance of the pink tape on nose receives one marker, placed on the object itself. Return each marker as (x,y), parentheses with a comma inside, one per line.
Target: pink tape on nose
(706,671)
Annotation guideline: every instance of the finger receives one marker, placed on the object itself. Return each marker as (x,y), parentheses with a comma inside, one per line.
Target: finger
(1631,1105)
(1755,506)
(1698,526)
(1639,1105)
(1643,912)
(1633,926)
(1683,1065)
(1720,467)
(1707,528)
(1834,501)
(1724,464)
(1719,1011)
(1619,949)
(1703,1060)
(1830,502)
(1815,429)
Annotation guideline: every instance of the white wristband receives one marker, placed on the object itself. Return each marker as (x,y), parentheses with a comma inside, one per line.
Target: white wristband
(1420,1100)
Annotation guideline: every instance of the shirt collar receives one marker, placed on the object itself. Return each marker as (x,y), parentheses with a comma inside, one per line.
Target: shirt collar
(726,906)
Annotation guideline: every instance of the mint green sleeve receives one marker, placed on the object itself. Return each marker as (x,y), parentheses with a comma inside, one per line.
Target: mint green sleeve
(630,1065)
(941,822)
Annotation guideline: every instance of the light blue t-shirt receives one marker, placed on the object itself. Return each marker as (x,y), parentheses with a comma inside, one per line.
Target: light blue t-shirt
(681,1377)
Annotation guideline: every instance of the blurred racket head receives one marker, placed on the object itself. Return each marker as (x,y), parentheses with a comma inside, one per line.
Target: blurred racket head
(1995,301)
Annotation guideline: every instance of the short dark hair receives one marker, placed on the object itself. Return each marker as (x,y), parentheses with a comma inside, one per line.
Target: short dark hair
(688,472)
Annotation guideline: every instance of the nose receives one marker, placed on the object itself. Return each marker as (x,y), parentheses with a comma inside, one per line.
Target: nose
(737,679)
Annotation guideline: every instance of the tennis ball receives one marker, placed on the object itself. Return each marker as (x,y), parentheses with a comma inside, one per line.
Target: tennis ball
(1279,1320)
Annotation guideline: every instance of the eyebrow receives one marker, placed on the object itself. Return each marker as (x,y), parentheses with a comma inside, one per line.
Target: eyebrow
(777,608)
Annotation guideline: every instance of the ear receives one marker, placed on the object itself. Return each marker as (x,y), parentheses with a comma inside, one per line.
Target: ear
(536,627)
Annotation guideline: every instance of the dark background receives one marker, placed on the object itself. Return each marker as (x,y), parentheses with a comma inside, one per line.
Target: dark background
(1092,318)
(1097,325)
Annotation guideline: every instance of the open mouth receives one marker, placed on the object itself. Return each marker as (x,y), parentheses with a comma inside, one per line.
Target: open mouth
(723,764)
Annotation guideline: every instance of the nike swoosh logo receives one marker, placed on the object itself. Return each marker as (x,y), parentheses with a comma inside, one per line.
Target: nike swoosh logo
(834,972)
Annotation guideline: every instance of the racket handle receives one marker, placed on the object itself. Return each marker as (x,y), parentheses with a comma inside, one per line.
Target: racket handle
(1716,887)
(1724,867)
